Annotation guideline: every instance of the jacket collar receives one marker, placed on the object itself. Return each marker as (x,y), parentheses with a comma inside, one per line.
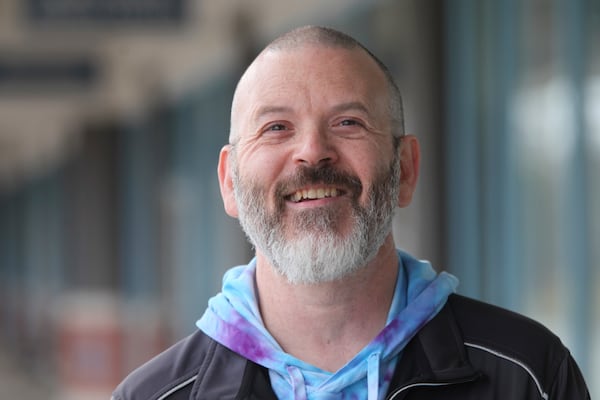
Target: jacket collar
(435,356)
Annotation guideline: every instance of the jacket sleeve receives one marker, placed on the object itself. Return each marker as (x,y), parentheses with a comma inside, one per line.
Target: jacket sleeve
(171,374)
(569,383)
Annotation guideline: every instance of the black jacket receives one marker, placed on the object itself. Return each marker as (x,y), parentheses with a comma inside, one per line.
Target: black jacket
(470,350)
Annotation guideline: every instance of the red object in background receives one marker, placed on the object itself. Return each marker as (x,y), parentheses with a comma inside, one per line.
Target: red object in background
(90,356)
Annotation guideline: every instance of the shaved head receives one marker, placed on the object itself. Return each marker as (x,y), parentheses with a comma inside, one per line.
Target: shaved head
(318,36)
(315,35)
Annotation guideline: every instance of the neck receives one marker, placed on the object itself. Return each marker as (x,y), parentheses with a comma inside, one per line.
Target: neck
(327,324)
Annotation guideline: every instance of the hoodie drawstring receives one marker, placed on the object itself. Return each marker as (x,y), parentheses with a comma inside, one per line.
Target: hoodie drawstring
(373,376)
(298,385)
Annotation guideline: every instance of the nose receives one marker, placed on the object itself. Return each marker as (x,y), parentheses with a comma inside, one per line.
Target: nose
(314,148)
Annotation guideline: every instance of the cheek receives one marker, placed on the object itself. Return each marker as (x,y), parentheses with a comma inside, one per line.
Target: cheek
(374,177)
(257,188)
(262,166)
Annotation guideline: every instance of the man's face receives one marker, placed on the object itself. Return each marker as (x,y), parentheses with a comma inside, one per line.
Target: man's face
(314,171)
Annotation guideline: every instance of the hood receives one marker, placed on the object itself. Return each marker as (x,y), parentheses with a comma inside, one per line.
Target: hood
(233,319)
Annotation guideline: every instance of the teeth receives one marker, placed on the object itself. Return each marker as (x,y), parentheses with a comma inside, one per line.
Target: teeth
(312,194)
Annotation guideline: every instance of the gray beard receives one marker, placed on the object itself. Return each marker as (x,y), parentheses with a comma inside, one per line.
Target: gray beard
(318,253)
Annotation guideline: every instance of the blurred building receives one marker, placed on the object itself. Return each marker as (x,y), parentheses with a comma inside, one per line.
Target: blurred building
(112,114)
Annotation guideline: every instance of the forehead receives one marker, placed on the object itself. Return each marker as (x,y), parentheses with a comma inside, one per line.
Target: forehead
(318,59)
(310,74)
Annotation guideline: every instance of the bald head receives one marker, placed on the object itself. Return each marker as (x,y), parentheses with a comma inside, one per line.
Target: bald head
(313,35)
(324,37)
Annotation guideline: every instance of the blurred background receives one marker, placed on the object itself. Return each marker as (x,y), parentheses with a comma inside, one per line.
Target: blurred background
(112,113)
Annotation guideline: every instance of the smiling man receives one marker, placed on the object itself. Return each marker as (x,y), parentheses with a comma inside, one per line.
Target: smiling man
(329,309)
(312,171)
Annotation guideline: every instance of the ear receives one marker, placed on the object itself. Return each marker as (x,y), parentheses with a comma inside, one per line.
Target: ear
(226,181)
(410,157)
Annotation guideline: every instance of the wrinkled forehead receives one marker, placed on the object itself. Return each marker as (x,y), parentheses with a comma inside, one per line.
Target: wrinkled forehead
(275,74)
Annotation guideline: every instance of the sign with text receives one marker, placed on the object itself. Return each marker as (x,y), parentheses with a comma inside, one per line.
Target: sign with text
(45,73)
(117,11)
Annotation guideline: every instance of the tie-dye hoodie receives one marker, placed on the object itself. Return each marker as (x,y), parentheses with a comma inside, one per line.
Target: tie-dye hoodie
(233,319)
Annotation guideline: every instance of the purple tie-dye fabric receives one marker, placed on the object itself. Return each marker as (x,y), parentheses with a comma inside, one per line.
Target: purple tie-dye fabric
(233,319)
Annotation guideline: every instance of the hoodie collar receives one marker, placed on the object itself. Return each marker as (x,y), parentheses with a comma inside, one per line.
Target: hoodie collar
(233,319)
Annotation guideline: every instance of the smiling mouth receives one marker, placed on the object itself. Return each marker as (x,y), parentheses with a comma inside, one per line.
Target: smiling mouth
(314,194)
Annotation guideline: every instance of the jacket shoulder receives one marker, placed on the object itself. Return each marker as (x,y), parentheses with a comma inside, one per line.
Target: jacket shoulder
(507,331)
(173,370)
(494,336)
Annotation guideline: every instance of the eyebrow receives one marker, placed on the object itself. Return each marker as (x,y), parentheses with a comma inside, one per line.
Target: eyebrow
(352,105)
(265,110)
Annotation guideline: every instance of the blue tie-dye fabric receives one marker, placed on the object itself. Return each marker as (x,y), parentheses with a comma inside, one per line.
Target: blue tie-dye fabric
(233,319)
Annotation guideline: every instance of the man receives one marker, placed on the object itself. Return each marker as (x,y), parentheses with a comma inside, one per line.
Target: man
(329,309)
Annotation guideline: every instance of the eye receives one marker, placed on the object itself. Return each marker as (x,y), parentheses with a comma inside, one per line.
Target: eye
(276,131)
(349,127)
(276,127)
(349,122)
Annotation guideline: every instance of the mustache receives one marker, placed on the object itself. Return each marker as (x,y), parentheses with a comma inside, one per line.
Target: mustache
(320,175)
